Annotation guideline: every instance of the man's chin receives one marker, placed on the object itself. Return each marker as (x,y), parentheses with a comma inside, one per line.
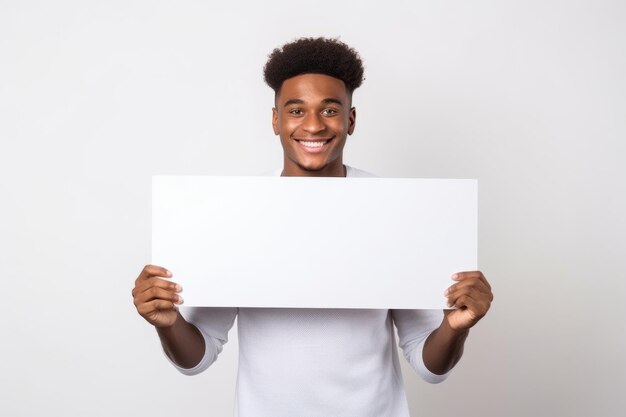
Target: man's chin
(312,167)
(318,165)
(314,164)
(321,168)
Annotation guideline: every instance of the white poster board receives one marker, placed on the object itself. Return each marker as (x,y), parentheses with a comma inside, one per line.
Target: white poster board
(314,242)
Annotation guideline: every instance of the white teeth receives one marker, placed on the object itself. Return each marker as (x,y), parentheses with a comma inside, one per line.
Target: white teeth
(313,144)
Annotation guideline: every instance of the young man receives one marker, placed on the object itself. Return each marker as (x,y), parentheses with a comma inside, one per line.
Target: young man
(315,362)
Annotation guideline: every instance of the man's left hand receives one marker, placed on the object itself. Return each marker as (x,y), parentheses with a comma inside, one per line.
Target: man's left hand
(471,296)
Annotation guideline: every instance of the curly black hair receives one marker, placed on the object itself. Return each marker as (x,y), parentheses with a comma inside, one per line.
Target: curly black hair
(314,55)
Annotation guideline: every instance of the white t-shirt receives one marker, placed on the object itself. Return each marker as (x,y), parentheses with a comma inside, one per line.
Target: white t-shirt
(318,362)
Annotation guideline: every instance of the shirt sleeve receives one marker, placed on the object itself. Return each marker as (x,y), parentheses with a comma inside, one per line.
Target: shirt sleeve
(414,327)
(214,324)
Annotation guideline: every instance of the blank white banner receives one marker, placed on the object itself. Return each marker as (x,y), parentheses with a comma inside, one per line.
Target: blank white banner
(314,242)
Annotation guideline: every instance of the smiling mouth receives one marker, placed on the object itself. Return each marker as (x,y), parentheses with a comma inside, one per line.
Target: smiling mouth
(313,145)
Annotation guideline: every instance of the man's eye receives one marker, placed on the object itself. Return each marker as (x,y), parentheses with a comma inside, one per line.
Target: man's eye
(329,112)
(296,112)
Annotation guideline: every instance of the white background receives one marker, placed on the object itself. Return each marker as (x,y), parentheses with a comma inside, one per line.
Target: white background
(95,97)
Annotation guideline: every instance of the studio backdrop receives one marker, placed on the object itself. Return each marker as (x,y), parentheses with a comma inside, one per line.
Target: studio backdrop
(96,97)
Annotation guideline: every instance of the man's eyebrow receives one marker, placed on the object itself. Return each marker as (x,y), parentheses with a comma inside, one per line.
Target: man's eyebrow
(332,100)
(293,101)
(328,100)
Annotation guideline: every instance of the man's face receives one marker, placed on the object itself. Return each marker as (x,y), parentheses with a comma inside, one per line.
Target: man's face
(313,118)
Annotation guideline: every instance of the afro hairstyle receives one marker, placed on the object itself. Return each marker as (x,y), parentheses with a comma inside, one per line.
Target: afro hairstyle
(314,56)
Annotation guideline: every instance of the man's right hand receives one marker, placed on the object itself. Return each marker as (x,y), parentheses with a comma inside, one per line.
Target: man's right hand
(155,298)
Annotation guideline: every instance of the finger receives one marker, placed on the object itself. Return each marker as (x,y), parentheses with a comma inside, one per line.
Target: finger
(156,293)
(478,291)
(149,271)
(477,307)
(472,292)
(154,305)
(462,301)
(453,298)
(156,282)
(468,283)
(460,276)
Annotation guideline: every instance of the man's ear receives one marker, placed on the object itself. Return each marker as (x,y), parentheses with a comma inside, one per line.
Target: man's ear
(275,120)
(351,120)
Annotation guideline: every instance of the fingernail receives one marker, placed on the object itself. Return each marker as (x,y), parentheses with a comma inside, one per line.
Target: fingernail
(455,276)
(178,288)
(180,300)
(447,291)
(168,273)
(449,304)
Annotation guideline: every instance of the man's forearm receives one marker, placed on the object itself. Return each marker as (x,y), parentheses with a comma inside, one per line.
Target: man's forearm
(182,342)
(443,348)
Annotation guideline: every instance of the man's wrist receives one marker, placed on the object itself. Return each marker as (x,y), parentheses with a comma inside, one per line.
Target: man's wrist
(452,333)
(172,328)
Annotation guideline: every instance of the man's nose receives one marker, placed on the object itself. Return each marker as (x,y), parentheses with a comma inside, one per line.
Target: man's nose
(313,123)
